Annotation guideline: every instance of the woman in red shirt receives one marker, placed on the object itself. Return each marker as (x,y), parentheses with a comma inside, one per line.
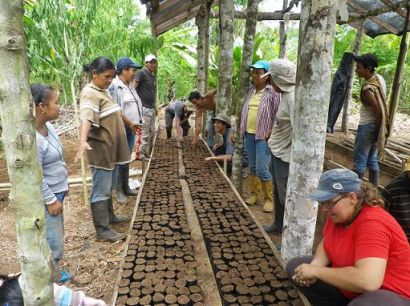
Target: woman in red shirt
(364,257)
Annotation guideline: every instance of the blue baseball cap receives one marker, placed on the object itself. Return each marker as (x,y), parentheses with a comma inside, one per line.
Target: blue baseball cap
(261,64)
(126,62)
(334,182)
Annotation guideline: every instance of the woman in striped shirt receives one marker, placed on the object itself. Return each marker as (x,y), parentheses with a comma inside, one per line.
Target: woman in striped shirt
(258,115)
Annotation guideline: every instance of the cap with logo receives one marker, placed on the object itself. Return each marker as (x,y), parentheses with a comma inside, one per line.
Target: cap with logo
(334,182)
(126,62)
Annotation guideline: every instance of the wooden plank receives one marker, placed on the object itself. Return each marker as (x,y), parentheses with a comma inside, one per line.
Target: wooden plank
(264,234)
(172,23)
(206,277)
(134,215)
(174,10)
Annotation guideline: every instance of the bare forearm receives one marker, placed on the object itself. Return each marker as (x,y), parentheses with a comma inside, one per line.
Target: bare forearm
(84,129)
(348,278)
(227,157)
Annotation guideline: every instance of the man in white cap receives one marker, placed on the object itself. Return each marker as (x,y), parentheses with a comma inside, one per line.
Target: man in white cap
(146,85)
(283,74)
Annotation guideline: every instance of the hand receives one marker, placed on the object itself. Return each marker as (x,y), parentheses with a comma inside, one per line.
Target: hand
(305,275)
(135,127)
(81,149)
(55,208)
(209,158)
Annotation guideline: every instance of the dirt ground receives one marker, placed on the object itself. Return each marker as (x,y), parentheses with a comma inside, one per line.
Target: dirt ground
(95,264)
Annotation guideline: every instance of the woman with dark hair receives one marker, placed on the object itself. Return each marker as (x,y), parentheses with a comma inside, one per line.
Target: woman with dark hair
(123,92)
(51,159)
(103,137)
(364,256)
(258,115)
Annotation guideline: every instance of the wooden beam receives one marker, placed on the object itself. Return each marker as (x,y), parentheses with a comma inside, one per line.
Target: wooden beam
(261,15)
(174,10)
(172,23)
(380,22)
(398,75)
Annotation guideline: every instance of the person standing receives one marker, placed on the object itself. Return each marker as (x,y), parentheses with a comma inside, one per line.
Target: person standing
(146,86)
(283,73)
(372,132)
(103,138)
(258,115)
(123,92)
(55,176)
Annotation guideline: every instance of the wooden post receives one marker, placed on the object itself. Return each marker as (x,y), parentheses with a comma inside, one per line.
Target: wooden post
(202,22)
(283,34)
(313,79)
(248,44)
(348,99)
(226,21)
(19,137)
(398,75)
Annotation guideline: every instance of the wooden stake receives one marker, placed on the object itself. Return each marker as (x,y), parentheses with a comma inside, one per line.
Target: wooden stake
(398,75)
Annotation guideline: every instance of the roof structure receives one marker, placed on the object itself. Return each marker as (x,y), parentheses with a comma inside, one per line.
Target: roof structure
(389,18)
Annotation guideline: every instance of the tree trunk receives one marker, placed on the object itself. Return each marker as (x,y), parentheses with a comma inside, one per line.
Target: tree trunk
(226,21)
(318,21)
(398,75)
(347,102)
(202,22)
(21,154)
(248,44)
(282,34)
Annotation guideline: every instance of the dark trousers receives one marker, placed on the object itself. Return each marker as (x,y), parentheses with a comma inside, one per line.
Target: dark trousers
(169,118)
(323,294)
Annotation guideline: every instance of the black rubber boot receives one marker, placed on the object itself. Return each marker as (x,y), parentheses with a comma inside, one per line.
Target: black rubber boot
(185,131)
(374,177)
(277,225)
(125,178)
(99,211)
(359,174)
(169,133)
(113,219)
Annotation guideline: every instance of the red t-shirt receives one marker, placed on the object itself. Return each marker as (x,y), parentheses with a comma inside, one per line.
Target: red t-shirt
(374,233)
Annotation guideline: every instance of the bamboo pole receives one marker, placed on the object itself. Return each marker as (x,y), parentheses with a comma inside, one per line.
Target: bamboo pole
(398,75)
(348,98)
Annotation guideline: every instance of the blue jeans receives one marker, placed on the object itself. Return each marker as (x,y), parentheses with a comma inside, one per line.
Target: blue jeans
(55,232)
(130,138)
(365,148)
(102,184)
(259,157)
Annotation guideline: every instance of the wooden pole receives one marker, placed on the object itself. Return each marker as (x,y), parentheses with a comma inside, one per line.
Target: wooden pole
(348,98)
(19,138)
(398,75)
(248,45)
(317,29)
(226,38)
(283,34)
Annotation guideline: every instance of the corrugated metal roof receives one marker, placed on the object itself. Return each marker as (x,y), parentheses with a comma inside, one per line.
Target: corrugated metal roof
(167,14)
